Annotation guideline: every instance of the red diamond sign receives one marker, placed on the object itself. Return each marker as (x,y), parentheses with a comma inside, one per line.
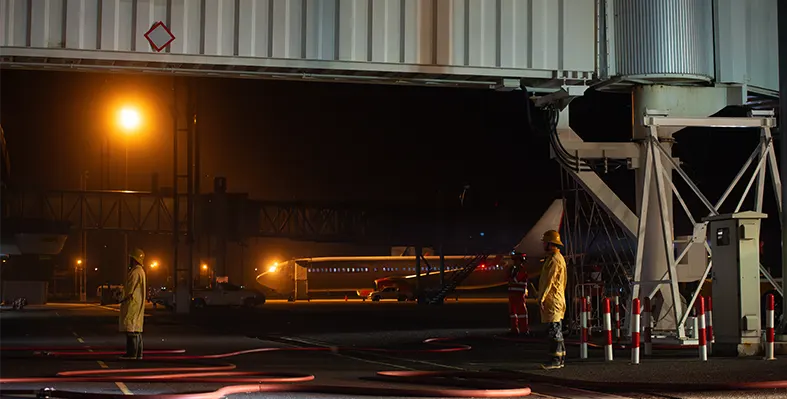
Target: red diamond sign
(159,36)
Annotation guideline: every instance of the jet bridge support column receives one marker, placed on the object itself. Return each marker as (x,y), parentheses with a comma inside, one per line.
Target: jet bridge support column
(679,102)
(654,256)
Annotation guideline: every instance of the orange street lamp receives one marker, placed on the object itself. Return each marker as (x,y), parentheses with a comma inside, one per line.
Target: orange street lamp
(129,119)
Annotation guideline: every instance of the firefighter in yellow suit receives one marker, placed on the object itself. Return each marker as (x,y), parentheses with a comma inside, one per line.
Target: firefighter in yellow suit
(132,305)
(552,299)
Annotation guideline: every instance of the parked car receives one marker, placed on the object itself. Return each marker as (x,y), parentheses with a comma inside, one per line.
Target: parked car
(223,294)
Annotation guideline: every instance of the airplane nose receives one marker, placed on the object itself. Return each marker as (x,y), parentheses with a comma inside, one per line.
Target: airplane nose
(268,283)
(274,280)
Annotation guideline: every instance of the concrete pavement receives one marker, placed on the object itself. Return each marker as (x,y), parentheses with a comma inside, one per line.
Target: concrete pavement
(351,325)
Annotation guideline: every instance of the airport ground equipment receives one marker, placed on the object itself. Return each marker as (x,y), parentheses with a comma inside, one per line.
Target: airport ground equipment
(734,239)
(456,279)
(656,165)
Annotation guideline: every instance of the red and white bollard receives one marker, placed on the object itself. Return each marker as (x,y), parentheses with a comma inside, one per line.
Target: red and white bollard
(709,323)
(607,331)
(646,320)
(701,329)
(617,318)
(769,329)
(635,331)
(583,317)
(590,310)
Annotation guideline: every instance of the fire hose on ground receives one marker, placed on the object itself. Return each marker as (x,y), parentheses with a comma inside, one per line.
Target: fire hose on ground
(457,383)
(489,384)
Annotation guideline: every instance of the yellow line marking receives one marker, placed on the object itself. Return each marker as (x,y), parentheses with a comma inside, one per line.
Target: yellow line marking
(123,388)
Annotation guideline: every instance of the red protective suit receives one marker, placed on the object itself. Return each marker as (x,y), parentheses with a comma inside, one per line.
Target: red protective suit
(517,311)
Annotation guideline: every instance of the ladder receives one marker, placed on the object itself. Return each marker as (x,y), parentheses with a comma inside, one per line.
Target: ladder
(457,279)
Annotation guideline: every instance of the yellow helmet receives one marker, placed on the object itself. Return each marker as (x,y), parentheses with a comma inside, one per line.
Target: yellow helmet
(552,237)
(138,255)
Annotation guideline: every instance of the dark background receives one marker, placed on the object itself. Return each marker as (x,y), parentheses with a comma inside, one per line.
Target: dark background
(391,145)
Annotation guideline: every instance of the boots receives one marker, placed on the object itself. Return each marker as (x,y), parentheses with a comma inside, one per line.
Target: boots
(557,350)
(138,337)
(133,346)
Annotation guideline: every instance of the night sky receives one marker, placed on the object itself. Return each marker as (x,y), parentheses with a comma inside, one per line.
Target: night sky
(278,140)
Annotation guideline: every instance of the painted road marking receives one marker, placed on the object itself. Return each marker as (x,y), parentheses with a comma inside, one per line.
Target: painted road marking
(123,388)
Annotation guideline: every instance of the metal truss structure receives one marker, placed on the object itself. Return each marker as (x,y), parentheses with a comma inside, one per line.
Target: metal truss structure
(311,222)
(96,210)
(623,276)
(653,120)
(131,211)
(600,253)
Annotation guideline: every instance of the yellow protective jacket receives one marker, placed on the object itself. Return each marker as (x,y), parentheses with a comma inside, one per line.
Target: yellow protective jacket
(132,312)
(552,288)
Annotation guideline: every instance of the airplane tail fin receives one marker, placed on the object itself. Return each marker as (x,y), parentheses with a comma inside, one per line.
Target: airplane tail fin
(550,220)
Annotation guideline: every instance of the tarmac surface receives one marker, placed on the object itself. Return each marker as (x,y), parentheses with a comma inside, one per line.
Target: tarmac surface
(345,328)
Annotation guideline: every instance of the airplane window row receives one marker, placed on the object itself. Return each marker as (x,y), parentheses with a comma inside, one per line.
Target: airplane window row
(388,269)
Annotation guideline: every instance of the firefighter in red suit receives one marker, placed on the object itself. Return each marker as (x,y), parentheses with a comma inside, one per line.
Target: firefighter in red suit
(517,292)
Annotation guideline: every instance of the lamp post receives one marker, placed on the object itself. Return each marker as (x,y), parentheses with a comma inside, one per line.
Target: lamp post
(129,121)
(83,238)
(182,110)
(78,279)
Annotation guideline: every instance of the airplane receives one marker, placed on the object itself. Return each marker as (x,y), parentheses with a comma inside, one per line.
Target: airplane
(365,274)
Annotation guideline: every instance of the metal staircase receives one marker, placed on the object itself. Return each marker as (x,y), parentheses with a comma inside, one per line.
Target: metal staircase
(457,279)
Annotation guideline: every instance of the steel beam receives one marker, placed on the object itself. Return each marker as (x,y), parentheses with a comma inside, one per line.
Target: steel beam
(103,210)
(665,121)
(137,211)
(590,181)
(311,222)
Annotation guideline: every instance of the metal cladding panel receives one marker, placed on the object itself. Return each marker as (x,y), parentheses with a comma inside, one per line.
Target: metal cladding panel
(664,39)
(535,35)
(747,42)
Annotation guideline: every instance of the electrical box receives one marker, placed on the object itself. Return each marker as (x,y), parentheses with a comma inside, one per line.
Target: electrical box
(735,244)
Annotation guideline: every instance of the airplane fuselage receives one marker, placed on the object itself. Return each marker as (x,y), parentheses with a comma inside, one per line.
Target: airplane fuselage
(362,274)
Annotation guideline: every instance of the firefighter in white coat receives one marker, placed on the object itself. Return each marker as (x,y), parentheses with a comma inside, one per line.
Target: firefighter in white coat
(132,305)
